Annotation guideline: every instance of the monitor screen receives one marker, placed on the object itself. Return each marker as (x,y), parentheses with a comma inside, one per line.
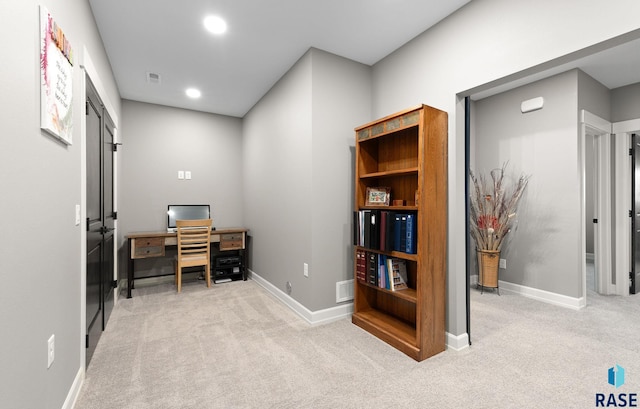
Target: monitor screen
(186,212)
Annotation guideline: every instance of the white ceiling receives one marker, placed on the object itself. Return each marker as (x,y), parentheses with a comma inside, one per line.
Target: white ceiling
(264,39)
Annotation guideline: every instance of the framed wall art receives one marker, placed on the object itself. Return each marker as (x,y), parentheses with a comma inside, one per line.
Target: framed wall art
(56,79)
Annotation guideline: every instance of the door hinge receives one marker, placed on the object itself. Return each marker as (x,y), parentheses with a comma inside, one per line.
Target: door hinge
(86,344)
(87,224)
(630,152)
(114,284)
(115,215)
(115,146)
(595,220)
(630,213)
(86,108)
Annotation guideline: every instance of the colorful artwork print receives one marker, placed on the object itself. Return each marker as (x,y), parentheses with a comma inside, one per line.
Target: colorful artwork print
(378,196)
(56,76)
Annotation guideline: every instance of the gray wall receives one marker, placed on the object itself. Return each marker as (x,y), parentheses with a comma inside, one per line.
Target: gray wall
(277,169)
(485,43)
(298,167)
(625,103)
(41,256)
(593,96)
(159,141)
(543,251)
(341,101)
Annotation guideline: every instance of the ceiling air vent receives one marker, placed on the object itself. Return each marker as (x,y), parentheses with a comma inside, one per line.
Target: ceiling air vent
(153,78)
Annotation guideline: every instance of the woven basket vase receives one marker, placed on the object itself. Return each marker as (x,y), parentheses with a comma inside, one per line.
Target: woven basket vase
(488,268)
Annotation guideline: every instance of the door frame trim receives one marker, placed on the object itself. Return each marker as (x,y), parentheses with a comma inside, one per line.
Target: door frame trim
(602,240)
(623,131)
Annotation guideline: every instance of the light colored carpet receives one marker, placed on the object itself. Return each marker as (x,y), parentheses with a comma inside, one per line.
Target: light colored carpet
(235,346)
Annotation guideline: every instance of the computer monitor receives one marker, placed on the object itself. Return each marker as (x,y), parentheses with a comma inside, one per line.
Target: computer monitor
(186,212)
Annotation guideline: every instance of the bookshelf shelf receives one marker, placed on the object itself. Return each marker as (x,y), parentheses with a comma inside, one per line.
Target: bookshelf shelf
(399,172)
(396,254)
(406,152)
(396,208)
(409,294)
(393,331)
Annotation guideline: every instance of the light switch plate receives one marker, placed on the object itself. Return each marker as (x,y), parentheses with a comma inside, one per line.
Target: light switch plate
(187,174)
(51,350)
(181,174)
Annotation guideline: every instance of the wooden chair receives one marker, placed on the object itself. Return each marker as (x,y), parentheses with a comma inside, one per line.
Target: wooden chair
(193,247)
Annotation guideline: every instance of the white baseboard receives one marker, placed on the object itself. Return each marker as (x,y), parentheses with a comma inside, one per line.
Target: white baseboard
(540,295)
(545,296)
(312,317)
(457,342)
(74,392)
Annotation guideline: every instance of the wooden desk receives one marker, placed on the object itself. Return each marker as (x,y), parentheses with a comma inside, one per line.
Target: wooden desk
(153,244)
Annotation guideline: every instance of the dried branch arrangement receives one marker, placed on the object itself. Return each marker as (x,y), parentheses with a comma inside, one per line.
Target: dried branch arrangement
(493,208)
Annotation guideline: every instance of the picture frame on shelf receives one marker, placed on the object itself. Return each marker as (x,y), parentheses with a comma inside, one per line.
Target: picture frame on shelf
(378,196)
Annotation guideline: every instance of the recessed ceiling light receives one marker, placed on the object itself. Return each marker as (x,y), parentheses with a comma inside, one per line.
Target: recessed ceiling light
(193,93)
(215,24)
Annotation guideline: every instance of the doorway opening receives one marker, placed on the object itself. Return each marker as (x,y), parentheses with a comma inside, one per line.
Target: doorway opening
(597,208)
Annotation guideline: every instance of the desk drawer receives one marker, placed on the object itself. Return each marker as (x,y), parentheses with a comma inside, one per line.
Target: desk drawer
(148,247)
(231,241)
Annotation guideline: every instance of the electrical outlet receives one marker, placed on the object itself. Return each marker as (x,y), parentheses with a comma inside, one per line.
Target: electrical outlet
(51,350)
(306,270)
(503,263)
(187,174)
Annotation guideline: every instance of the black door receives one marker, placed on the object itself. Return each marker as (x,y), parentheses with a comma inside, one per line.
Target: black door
(108,220)
(634,281)
(100,219)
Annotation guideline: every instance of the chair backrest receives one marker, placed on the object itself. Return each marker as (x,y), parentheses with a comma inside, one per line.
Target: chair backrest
(193,237)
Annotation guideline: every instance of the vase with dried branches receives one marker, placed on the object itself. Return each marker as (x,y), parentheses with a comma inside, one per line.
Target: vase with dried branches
(493,207)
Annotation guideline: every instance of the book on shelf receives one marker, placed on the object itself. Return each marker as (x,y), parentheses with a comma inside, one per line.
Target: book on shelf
(397,274)
(385,230)
(366,219)
(405,229)
(361,265)
(374,237)
(372,269)
(410,236)
(382,240)
(384,280)
(356,228)
(366,228)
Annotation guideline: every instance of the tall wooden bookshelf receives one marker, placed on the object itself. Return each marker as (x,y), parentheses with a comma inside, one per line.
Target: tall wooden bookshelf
(407,152)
